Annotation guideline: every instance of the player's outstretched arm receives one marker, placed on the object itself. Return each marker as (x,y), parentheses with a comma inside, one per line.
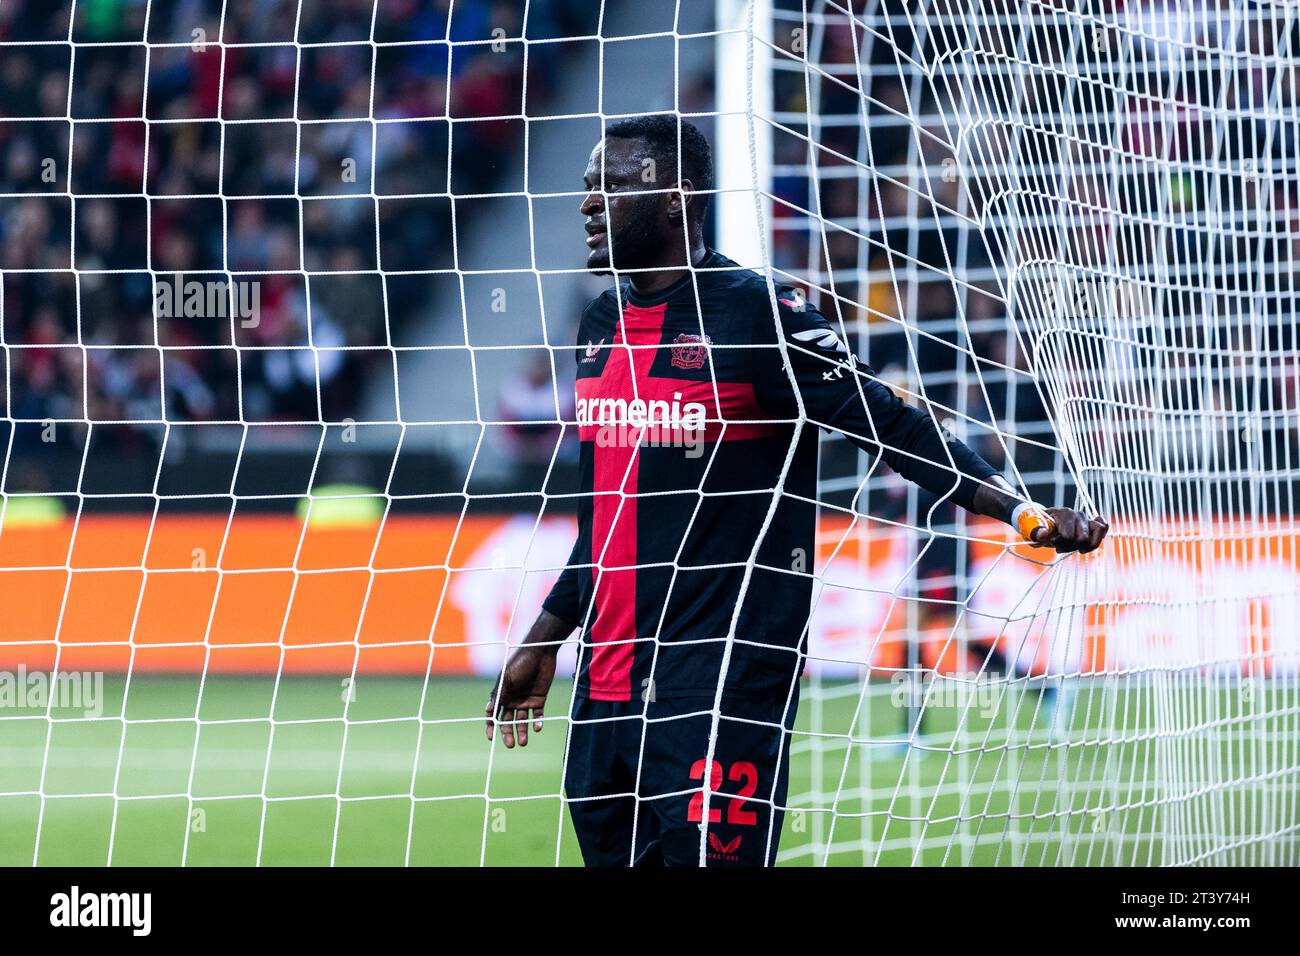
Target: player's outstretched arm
(839,392)
(520,692)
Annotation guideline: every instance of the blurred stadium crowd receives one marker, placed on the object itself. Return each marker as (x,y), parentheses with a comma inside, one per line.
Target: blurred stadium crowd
(259,162)
(256,161)
(888,260)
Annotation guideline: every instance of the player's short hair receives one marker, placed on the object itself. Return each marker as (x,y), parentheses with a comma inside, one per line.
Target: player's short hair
(660,132)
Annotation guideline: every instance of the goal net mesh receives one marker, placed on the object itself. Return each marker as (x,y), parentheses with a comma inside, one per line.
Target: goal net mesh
(288,310)
(1070,226)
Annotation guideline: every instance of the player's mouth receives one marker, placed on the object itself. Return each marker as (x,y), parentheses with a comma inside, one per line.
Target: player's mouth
(595,234)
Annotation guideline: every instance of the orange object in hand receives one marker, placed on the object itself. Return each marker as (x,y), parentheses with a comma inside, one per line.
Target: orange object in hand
(1029,518)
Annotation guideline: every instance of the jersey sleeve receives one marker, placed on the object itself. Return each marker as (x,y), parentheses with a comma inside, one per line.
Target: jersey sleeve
(842,393)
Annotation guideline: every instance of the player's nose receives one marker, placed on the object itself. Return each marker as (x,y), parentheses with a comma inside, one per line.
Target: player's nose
(592,203)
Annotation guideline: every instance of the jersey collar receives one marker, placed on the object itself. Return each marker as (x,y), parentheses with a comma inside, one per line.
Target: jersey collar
(631,297)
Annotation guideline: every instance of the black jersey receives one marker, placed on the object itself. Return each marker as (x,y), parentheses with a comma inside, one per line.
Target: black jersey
(699,468)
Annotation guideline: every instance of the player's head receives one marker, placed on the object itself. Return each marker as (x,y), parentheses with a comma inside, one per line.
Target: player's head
(629,225)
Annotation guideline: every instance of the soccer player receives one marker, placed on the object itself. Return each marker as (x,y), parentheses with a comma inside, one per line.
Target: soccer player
(698,401)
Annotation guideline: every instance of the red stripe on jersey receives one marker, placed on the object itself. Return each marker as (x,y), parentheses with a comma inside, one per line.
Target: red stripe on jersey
(613,410)
(614,512)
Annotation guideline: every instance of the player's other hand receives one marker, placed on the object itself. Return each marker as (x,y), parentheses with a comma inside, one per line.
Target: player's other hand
(520,693)
(1069,530)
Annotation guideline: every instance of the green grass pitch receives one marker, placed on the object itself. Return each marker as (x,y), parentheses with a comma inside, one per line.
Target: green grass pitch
(237,788)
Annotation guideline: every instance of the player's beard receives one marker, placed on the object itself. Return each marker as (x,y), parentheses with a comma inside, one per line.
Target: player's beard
(630,242)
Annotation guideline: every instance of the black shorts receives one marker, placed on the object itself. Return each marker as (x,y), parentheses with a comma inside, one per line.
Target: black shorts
(653,818)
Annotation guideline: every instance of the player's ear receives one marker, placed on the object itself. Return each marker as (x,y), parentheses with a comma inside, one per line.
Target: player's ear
(680,199)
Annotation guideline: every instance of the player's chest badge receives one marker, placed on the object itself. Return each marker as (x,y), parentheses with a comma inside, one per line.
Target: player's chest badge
(690,351)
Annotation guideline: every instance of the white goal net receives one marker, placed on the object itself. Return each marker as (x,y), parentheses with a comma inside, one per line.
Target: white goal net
(289,302)
(1071,226)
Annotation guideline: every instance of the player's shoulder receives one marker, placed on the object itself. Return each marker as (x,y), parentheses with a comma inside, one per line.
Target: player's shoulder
(751,296)
(605,301)
(727,277)
(748,291)
(602,310)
